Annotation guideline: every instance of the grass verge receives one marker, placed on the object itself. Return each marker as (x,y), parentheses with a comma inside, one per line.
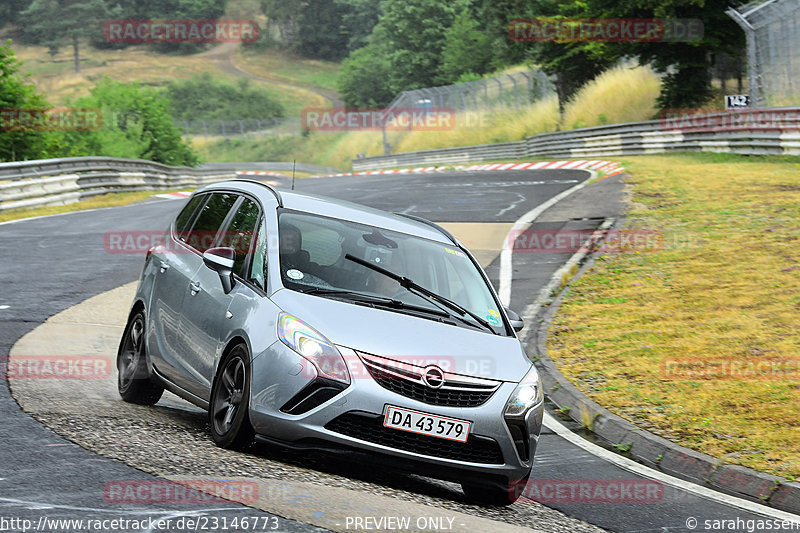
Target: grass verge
(113,199)
(54,75)
(682,341)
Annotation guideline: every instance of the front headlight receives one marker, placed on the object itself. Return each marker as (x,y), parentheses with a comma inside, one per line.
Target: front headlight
(527,394)
(314,347)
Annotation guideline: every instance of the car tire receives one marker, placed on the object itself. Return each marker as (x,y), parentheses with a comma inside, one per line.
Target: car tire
(134,382)
(228,411)
(491,493)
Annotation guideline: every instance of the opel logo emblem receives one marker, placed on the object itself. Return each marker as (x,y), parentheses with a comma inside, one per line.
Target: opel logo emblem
(433,377)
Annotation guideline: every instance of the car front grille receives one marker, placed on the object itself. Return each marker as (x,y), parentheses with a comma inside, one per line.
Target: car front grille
(369,427)
(407,380)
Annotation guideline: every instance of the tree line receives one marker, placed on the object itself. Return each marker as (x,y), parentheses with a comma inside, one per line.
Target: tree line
(134,121)
(390,46)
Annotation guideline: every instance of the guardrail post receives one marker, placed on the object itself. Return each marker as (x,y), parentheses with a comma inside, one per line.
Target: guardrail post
(514,81)
(500,87)
(530,86)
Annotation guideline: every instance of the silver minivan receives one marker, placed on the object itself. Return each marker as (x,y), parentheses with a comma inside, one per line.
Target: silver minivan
(314,323)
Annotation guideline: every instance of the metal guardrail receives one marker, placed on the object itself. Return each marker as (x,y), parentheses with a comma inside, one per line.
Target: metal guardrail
(61,181)
(778,133)
(56,181)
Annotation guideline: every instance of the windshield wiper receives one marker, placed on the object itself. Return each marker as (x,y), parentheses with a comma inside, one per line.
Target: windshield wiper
(414,287)
(373,299)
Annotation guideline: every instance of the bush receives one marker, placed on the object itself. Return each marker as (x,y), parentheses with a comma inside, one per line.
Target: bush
(364,78)
(206,98)
(136,124)
(15,93)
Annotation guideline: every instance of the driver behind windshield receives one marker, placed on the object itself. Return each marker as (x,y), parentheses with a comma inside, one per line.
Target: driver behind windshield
(293,257)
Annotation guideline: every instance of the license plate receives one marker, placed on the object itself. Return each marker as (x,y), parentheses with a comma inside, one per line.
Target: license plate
(426,424)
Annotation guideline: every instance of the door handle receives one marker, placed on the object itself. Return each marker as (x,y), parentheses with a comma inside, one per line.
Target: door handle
(195,287)
(164,266)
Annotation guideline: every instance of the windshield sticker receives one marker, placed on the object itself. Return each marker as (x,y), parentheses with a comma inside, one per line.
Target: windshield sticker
(492,320)
(494,313)
(294,274)
(458,253)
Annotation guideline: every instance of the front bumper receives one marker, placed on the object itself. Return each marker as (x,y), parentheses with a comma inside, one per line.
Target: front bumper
(352,420)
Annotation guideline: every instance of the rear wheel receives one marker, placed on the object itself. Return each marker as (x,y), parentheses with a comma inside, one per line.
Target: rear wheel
(230,396)
(134,382)
(489,493)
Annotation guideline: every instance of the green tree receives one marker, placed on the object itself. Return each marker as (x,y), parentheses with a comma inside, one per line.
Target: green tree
(686,65)
(179,9)
(359,18)
(496,14)
(414,33)
(312,28)
(11,9)
(573,64)
(17,95)
(321,30)
(363,78)
(136,124)
(467,50)
(56,23)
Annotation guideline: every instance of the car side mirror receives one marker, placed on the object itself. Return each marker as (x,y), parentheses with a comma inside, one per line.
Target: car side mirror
(220,260)
(516,322)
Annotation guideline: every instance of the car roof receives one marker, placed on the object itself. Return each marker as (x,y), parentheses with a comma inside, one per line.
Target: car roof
(335,208)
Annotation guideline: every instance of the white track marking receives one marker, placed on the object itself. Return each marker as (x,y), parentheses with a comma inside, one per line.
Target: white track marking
(636,468)
(115,510)
(506,253)
(512,205)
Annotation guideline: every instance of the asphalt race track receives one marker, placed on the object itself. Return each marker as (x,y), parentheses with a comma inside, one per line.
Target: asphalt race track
(53,263)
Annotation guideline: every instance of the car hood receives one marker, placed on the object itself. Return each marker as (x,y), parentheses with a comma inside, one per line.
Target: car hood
(407,338)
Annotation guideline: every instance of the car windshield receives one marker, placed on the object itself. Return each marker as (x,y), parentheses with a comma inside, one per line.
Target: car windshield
(321,255)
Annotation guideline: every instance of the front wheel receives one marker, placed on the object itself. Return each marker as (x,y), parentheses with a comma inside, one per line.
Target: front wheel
(134,382)
(228,412)
(488,493)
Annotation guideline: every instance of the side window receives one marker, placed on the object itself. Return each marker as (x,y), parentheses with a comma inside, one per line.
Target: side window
(211,217)
(186,215)
(240,232)
(258,269)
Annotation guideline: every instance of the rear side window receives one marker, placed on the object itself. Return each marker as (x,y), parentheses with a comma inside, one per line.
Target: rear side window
(182,223)
(212,215)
